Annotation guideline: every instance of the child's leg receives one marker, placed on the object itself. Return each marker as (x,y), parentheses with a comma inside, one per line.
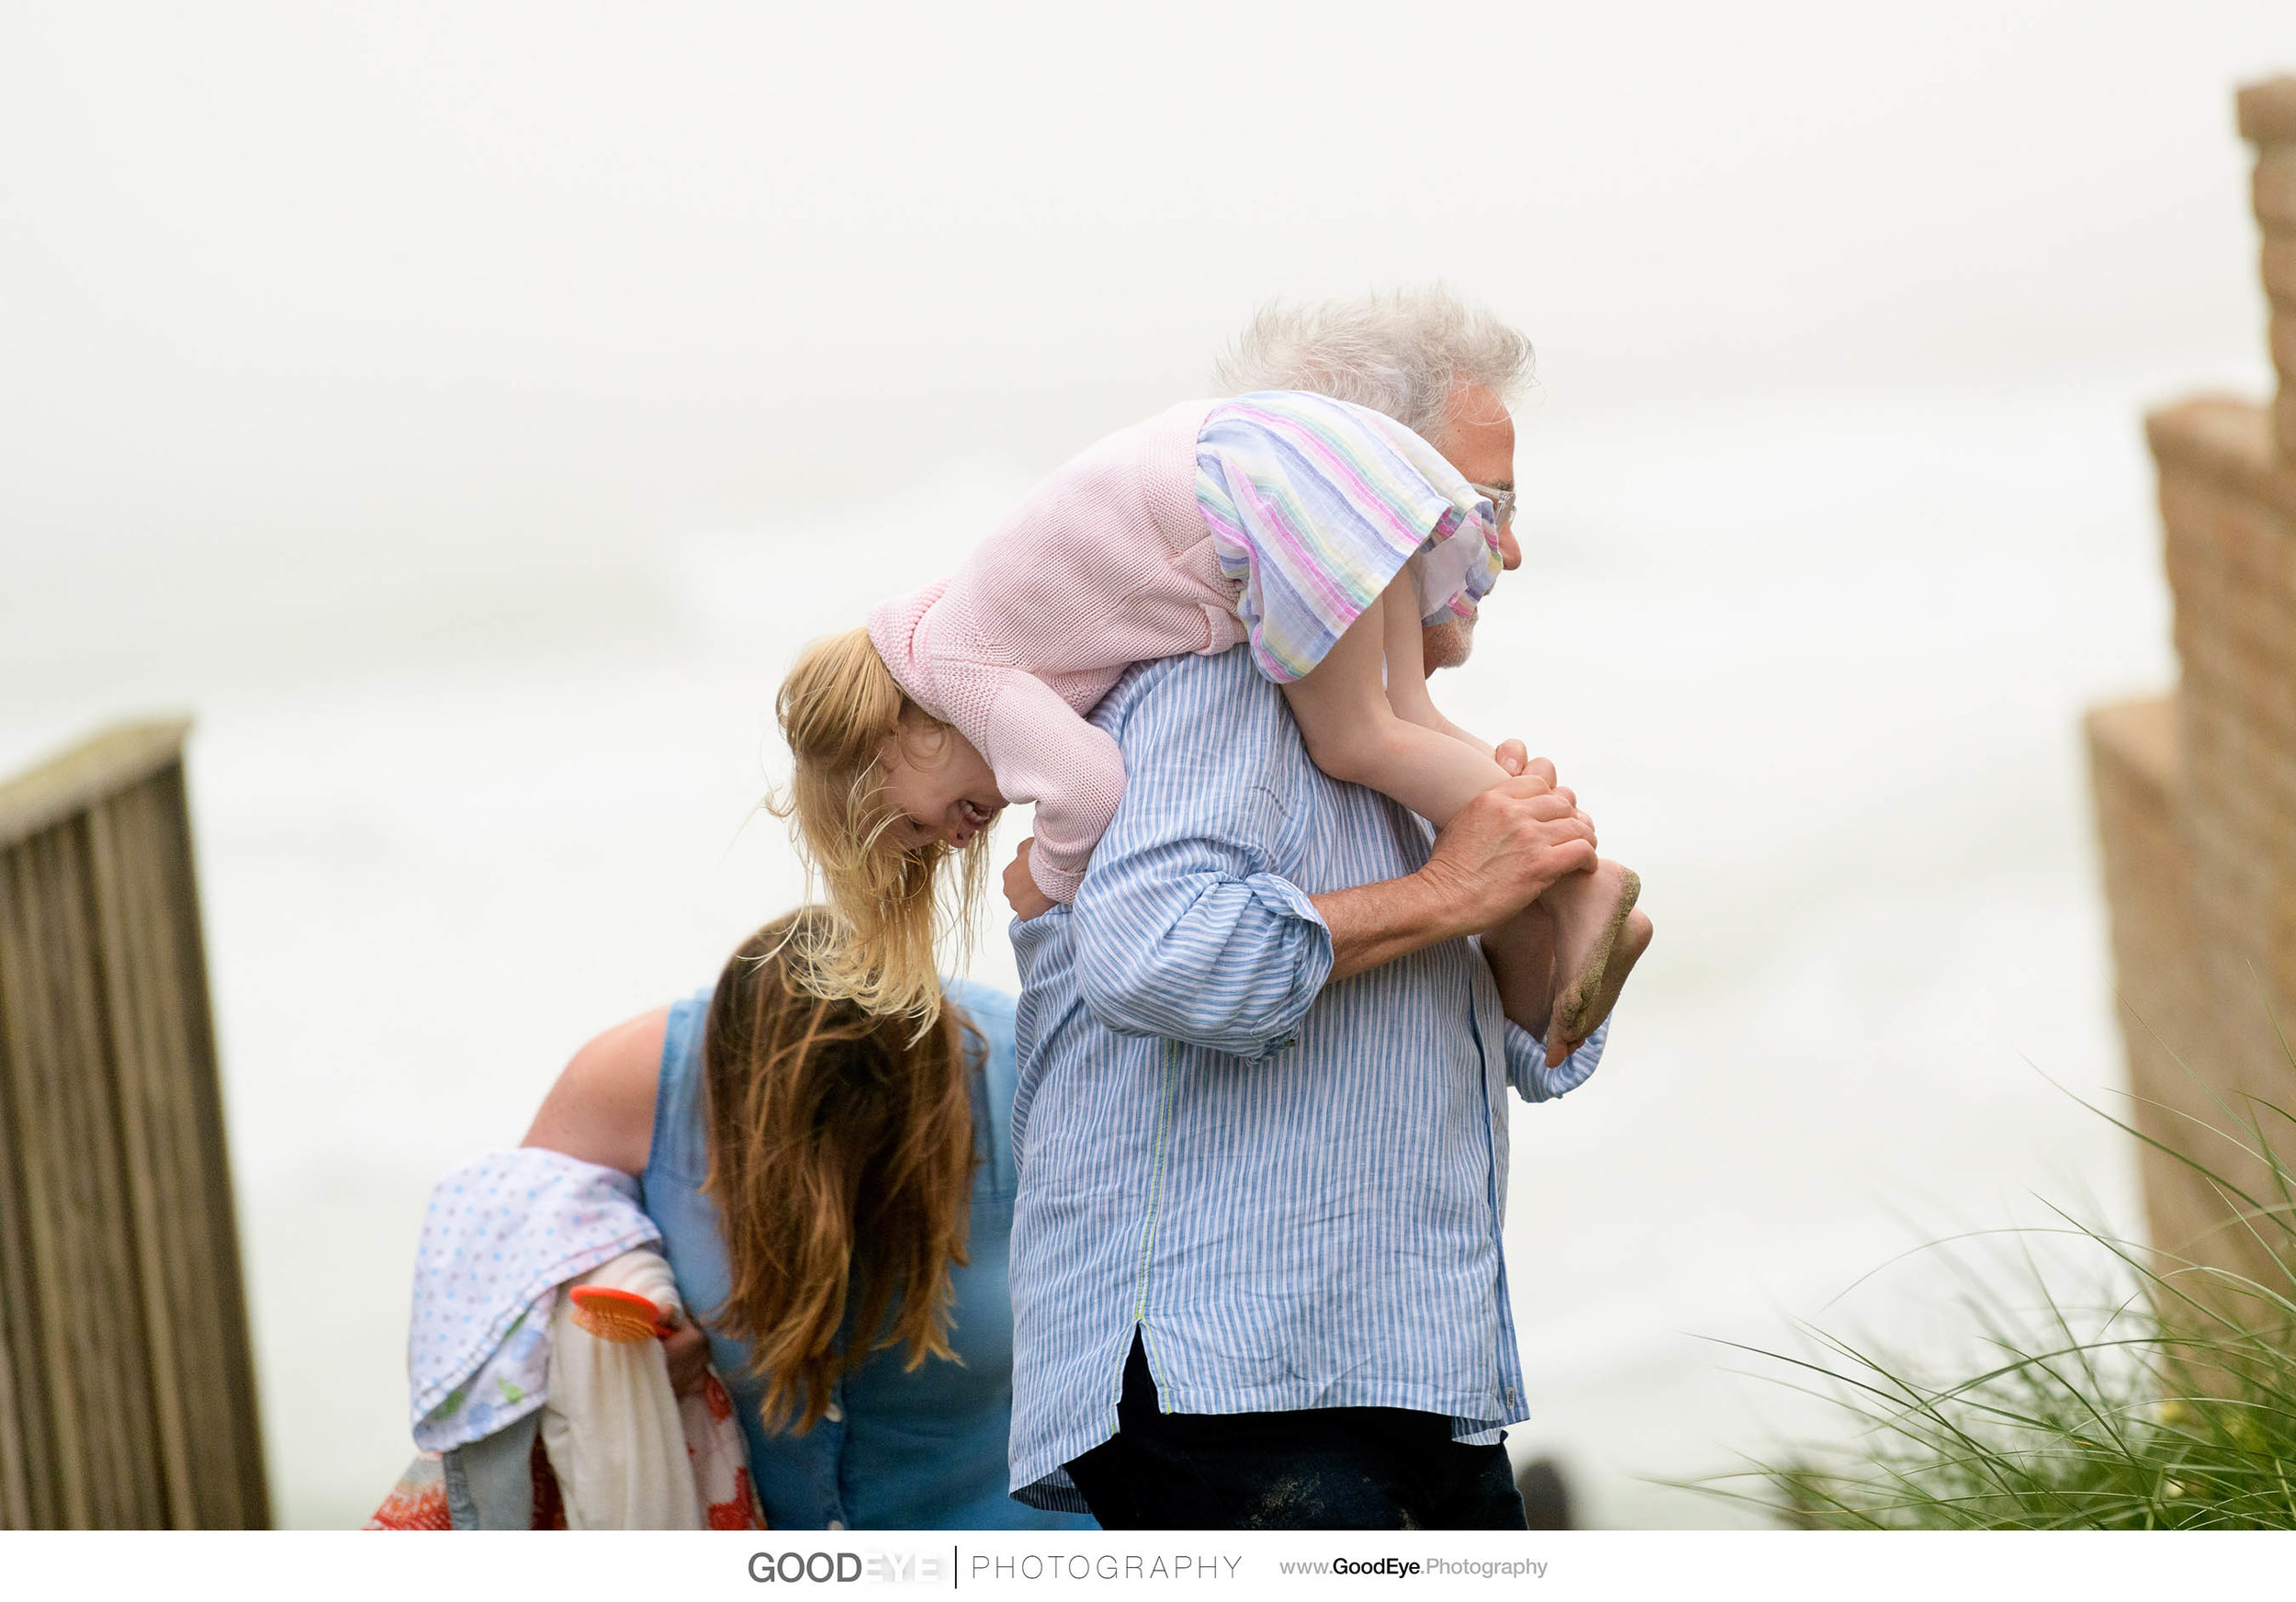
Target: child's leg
(1354,732)
(1561,961)
(1368,719)
(1407,662)
(1521,953)
(1572,940)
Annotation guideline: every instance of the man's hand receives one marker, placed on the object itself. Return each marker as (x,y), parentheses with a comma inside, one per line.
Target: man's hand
(1503,849)
(1021,886)
(1499,853)
(688,1350)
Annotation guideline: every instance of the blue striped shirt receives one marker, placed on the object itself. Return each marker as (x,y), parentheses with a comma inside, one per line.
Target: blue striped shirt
(1294,1192)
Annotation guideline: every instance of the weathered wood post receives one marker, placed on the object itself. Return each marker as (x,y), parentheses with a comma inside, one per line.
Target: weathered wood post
(2197,793)
(126,1381)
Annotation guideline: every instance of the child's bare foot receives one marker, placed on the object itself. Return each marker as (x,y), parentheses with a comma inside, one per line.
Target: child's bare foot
(1633,939)
(1590,909)
(1523,949)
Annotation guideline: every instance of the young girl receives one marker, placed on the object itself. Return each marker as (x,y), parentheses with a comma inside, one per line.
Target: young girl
(1324,534)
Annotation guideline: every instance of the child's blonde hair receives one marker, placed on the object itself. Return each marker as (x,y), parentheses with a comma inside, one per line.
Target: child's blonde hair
(837,709)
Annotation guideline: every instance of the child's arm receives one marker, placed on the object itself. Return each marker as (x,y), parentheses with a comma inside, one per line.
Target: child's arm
(1041,751)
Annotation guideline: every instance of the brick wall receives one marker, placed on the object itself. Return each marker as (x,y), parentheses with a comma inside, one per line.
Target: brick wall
(2196,794)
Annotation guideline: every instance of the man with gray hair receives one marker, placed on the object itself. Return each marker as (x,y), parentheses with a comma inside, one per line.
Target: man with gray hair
(1257,1278)
(1443,368)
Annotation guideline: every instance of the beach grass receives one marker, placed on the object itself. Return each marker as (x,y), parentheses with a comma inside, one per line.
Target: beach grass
(2160,1394)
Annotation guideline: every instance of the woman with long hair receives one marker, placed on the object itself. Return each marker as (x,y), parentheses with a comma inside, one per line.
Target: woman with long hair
(835,1192)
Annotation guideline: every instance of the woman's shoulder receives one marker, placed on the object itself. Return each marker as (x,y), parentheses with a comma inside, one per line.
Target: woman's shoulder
(602,1108)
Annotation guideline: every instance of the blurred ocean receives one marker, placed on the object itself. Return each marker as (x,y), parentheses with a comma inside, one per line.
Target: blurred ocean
(1816,666)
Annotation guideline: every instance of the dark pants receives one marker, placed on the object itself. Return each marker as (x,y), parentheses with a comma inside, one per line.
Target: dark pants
(1321,1468)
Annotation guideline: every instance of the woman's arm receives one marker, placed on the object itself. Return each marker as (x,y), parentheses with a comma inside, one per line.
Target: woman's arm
(602,1108)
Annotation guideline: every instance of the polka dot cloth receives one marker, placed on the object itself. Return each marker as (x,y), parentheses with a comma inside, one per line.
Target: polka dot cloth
(502,1233)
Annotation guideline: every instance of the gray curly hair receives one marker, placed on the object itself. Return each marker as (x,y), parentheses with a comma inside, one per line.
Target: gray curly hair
(1399,351)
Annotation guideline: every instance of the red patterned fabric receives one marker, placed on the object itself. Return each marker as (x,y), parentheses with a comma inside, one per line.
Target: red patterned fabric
(417,1501)
(741,1512)
(721,1468)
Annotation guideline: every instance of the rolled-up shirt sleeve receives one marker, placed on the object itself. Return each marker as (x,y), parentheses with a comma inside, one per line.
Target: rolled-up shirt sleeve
(1533,1080)
(1185,928)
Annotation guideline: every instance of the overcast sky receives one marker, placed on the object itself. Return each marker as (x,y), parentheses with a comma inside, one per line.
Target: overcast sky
(277,281)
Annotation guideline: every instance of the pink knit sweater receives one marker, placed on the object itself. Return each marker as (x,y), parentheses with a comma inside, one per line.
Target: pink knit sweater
(1107,563)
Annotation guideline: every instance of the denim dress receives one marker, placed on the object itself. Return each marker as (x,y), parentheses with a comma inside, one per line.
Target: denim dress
(922,1449)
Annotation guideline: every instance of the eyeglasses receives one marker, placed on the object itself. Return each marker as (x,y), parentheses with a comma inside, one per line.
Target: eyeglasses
(1502,502)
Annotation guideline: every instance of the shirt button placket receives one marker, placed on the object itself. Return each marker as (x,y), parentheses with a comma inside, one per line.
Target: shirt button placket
(832,1427)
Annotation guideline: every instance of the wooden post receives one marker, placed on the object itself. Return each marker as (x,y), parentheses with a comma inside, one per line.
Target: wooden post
(126,1380)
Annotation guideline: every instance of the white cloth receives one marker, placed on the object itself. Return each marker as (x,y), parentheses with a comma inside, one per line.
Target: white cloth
(504,1231)
(610,1421)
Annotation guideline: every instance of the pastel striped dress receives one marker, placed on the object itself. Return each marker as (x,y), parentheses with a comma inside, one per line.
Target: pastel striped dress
(1274,518)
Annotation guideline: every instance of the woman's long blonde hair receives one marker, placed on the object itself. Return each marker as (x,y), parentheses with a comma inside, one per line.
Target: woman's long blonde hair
(838,708)
(840,1160)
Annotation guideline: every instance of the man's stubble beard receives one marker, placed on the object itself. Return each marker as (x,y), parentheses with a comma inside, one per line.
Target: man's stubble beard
(1447,644)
